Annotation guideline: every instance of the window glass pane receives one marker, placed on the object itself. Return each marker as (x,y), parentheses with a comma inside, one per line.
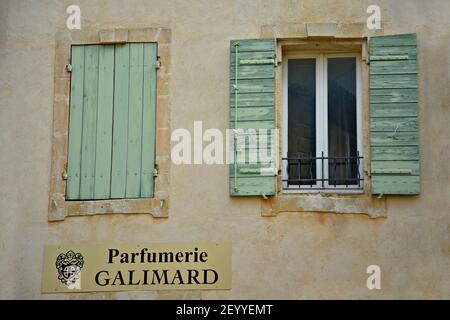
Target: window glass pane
(342,138)
(301,120)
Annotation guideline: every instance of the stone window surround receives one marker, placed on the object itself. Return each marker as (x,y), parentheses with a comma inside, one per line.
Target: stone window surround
(158,206)
(331,36)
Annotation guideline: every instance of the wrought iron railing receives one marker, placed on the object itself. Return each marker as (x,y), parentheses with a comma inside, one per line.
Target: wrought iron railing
(323,173)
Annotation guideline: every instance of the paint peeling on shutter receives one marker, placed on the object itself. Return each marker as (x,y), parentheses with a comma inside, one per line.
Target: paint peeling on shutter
(112,121)
(394,123)
(252,117)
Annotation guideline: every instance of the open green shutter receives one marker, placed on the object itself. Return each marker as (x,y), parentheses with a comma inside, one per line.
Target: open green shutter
(112,121)
(394,124)
(252,117)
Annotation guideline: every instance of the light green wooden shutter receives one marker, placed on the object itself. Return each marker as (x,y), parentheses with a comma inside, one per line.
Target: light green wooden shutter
(112,121)
(394,120)
(252,106)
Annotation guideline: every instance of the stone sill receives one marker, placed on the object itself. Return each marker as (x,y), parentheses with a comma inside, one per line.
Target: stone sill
(331,203)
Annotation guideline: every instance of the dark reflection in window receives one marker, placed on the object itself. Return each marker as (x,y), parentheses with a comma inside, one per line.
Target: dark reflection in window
(342,139)
(301,121)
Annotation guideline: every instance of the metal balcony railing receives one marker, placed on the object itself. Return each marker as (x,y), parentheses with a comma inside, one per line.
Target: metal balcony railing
(323,173)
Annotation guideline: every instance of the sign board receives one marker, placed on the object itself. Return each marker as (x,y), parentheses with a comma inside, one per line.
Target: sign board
(156,266)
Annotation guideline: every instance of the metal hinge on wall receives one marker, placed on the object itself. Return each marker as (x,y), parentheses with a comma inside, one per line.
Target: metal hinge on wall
(155,171)
(157,64)
(68,67)
(65,175)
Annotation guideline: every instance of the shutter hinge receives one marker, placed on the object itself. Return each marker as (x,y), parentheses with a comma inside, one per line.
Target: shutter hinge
(64,174)
(68,67)
(157,64)
(155,171)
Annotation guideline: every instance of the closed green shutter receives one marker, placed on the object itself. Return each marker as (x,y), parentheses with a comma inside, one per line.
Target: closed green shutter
(252,117)
(394,123)
(112,121)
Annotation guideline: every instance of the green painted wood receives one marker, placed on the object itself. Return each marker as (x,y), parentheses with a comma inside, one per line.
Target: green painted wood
(254,86)
(255,110)
(266,124)
(251,55)
(396,184)
(393,110)
(396,153)
(253,45)
(75,123)
(389,57)
(394,124)
(254,99)
(253,186)
(89,135)
(120,121)
(394,40)
(252,156)
(395,138)
(253,72)
(412,165)
(245,169)
(410,51)
(253,114)
(254,139)
(112,122)
(104,122)
(393,67)
(148,121)
(389,95)
(256,61)
(391,171)
(134,157)
(381,81)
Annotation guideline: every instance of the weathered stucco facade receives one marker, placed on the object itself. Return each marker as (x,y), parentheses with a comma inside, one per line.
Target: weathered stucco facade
(293,255)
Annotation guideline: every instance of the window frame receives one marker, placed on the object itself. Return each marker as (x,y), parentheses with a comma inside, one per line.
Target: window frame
(321,118)
(59,208)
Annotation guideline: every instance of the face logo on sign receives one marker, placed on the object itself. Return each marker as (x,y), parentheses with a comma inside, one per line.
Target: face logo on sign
(69,269)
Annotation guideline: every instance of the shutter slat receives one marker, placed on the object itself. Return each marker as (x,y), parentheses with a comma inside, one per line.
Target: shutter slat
(253,109)
(253,71)
(75,123)
(120,127)
(89,122)
(394,124)
(393,95)
(386,80)
(394,119)
(253,45)
(104,123)
(394,153)
(412,165)
(395,138)
(394,40)
(133,183)
(253,113)
(393,110)
(254,85)
(260,99)
(149,121)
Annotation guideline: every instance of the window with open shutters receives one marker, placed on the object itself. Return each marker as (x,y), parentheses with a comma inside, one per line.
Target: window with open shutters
(394,125)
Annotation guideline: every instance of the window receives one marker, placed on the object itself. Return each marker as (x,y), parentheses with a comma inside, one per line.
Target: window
(322,129)
(112,121)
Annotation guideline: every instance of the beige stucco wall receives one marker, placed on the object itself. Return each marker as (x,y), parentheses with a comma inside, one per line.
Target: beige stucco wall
(292,255)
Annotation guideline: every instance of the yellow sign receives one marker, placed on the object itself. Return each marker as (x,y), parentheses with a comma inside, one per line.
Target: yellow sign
(157,266)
